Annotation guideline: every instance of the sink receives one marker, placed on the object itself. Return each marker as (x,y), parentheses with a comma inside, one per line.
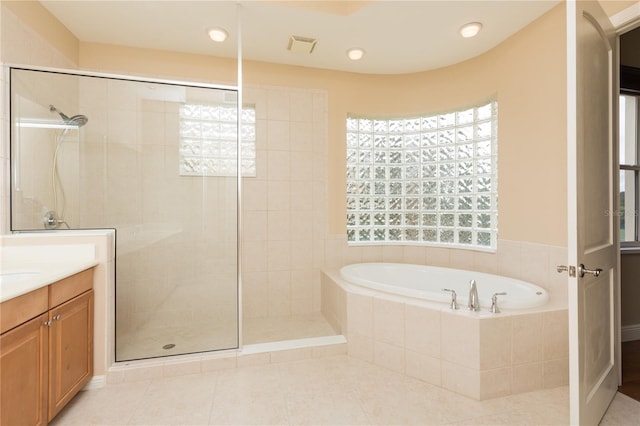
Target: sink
(13,277)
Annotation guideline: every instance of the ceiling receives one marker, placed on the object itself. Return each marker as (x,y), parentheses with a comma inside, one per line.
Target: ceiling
(398,36)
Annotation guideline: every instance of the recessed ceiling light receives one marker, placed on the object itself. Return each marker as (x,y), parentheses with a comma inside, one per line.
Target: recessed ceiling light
(471,29)
(218,34)
(355,54)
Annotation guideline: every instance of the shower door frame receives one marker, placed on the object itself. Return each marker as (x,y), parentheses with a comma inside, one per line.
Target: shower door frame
(110,290)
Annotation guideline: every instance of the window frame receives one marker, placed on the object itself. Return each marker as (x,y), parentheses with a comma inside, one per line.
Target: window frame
(635,168)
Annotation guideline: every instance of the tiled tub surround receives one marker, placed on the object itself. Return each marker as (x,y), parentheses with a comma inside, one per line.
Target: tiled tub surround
(477,354)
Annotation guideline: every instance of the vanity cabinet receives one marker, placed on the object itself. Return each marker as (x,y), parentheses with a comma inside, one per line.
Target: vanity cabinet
(46,349)
(24,373)
(70,350)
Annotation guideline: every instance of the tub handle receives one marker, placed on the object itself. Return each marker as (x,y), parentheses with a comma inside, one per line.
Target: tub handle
(454,298)
(494,303)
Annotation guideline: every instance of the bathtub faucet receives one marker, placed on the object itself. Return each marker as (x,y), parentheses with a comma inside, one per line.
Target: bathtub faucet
(454,299)
(474,303)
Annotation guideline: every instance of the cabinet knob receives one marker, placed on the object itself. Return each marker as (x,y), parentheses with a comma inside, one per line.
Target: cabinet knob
(48,323)
(57,317)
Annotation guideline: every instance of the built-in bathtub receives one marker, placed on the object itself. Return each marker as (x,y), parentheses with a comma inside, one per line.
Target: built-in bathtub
(398,317)
(426,283)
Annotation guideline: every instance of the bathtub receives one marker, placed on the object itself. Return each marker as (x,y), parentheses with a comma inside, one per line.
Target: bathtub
(397,316)
(426,283)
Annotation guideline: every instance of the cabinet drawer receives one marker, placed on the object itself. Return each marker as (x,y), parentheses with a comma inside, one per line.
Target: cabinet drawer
(70,287)
(20,309)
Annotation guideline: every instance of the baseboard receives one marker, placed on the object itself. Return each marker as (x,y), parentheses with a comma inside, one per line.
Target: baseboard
(96,382)
(630,332)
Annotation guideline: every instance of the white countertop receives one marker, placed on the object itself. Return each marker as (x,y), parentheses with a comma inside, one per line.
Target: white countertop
(47,273)
(41,264)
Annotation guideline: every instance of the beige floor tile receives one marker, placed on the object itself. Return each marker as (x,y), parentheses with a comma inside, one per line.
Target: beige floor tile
(383,406)
(548,415)
(248,408)
(622,411)
(319,391)
(326,408)
(317,375)
(505,419)
(177,401)
(111,405)
(250,380)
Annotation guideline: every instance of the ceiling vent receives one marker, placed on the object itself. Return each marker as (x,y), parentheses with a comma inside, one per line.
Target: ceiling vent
(299,44)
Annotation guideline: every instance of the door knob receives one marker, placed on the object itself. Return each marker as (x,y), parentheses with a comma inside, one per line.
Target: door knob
(582,270)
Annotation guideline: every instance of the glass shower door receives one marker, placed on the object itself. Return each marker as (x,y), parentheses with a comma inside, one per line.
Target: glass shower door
(157,161)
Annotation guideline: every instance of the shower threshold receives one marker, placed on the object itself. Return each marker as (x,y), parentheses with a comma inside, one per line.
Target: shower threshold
(249,355)
(284,328)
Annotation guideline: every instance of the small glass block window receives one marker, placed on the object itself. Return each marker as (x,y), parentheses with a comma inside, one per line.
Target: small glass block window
(208,140)
(429,180)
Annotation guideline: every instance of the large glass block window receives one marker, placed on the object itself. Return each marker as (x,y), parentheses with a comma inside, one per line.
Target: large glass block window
(208,140)
(428,180)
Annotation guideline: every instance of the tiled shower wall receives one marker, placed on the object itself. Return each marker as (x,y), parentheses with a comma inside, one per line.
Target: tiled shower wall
(176,234)
(285,205)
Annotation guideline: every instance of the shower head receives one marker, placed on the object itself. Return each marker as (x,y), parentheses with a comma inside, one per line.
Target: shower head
(76,120)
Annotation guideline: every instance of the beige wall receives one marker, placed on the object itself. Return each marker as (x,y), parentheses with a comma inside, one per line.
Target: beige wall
(526,73)
(29,36)
(45,25)
(611,7)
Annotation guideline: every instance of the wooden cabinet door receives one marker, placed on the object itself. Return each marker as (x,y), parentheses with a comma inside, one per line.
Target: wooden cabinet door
(70,350)
(23,374)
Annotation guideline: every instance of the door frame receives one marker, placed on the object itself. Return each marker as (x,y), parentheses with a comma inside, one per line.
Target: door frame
(623,22)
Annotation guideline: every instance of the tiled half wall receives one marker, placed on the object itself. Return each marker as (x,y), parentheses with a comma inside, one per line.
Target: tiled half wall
(475,355)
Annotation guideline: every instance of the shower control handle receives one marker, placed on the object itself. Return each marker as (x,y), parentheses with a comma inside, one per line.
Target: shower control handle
(51,220)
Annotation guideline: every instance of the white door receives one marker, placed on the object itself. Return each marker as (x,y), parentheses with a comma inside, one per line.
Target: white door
(593,228)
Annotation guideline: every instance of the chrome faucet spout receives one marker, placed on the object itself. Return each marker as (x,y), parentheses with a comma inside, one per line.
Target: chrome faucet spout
(474,303)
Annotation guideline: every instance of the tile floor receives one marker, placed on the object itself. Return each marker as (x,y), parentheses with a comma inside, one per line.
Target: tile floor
(336,390)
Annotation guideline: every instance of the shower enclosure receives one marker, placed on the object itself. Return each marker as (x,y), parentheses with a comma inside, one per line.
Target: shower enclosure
(157,161)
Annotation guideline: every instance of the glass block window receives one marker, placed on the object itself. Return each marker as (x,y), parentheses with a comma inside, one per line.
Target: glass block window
(208,140)
(428,180)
